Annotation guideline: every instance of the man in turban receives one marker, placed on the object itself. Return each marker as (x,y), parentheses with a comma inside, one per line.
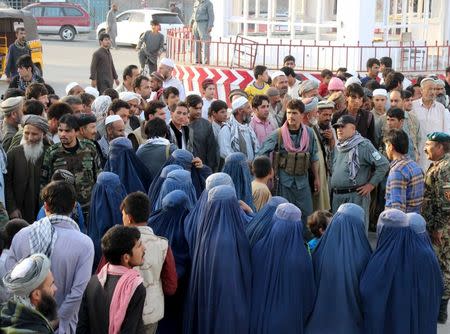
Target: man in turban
(24,170)
(33,305)
(11,110)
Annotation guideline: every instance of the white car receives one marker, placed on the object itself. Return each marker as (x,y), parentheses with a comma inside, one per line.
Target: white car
(131,24)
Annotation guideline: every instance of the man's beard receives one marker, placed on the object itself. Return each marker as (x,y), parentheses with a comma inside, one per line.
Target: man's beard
(47,307)
(32,151)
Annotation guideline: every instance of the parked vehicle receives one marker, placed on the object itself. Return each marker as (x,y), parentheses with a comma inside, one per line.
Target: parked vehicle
(10,19)
(131,24)
(60,18)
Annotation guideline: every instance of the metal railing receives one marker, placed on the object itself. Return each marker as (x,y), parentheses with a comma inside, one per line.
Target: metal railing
(240,52)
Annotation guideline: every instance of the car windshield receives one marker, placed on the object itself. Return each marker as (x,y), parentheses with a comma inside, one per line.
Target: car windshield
(167,19)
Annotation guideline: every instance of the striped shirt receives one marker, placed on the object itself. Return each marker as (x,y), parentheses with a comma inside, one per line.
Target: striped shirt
(405,186)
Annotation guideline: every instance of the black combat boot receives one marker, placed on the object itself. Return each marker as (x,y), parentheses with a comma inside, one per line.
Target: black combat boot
(442,318)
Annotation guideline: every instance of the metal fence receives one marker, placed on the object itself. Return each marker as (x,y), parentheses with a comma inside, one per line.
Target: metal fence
(240,52)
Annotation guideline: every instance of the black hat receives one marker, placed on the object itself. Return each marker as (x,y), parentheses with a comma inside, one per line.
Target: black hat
(86,119)
(344,120)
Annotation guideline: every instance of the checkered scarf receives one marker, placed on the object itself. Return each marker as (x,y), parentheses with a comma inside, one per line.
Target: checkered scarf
(43,233)
(350,146)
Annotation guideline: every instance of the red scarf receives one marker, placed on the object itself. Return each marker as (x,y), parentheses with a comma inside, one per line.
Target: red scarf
(125,288)
(287,141)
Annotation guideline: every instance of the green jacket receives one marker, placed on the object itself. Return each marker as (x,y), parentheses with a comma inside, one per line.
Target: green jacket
(84,164)
(16,318)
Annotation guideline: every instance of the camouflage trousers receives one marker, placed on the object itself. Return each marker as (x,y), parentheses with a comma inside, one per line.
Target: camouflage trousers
(443,255)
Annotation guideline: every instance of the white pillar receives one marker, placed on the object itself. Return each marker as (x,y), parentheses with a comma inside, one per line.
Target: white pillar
(270,16)
(318,18)
(245,15)
(359,25)
(222,11)
(292,17)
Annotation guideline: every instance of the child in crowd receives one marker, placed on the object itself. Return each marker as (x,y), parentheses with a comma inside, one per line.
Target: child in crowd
(317,223)
(263,172)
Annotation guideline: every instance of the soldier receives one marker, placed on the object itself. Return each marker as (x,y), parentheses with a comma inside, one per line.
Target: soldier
(202,22)
(352,178)
(295,151)
(436,207)
(78,156)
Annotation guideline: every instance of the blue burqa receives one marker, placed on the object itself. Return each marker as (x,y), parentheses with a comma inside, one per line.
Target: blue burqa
(107,195)
(339,260)
(401,287)
(220,286)
(283,288)
(195,216)
(155,187)
(184,158)
(262,222)
(181,180)
(122,160)
(236,166)
(168,222)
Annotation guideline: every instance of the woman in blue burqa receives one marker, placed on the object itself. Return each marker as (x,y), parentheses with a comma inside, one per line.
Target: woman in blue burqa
(220,286)
(122,160)
(107,195)
(199,171)
(195,215)
(283,288)
(236,166)
(262,222)
(155,187)
(168,222)
(181,180)
(339,260)
(401,287)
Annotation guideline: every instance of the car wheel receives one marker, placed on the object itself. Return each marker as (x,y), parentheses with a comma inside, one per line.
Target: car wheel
(67,34)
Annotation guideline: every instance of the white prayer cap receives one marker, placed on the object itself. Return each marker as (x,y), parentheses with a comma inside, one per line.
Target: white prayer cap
(70,86)
(352,80)
(168,62)
(93,91)
(128,96)
(380,92)
(112,118)
(277,74)
(428,79)
(239,103)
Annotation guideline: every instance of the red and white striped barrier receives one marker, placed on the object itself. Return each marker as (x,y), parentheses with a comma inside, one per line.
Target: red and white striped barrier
(225,79)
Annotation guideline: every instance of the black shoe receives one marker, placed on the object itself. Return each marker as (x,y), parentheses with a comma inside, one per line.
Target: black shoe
(442,318)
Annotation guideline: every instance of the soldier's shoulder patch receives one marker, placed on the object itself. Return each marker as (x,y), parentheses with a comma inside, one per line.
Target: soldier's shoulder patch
(376,155)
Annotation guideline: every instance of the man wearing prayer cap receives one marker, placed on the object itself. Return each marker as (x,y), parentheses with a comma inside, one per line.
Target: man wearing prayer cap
(165,68)
(280,82)
(436,206)
(70,251)
(441,96)
(11,110)
(237,135)
(32,307)
(432,116)
(379,97)
(24,170)
(74,88)
(115,128)
(308,88)
(321,199)
(134,120)
(92,91)
(357,167)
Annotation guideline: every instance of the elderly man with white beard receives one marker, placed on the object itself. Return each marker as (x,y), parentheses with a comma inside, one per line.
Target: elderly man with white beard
(24,170)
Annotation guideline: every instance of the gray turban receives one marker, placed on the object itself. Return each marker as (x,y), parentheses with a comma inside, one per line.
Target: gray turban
(27,275)
(307,86)
(12,104)
(38,121)
(310,103)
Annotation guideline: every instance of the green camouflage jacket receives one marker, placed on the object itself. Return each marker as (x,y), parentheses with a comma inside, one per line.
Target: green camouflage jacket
(16,318)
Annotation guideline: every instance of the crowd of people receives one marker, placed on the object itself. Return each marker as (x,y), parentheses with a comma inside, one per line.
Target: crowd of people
(145,209)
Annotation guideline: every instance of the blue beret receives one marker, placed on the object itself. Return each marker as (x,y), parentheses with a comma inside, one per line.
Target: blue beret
(440,137)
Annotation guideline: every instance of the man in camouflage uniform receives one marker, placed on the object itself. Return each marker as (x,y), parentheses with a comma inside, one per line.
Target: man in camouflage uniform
(78,156)
(436,207)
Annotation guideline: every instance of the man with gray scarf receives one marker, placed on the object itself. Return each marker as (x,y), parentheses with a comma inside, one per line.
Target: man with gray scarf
(33,305)
(352,178)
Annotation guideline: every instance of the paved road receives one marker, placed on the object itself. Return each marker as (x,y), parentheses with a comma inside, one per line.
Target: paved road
(65,62)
